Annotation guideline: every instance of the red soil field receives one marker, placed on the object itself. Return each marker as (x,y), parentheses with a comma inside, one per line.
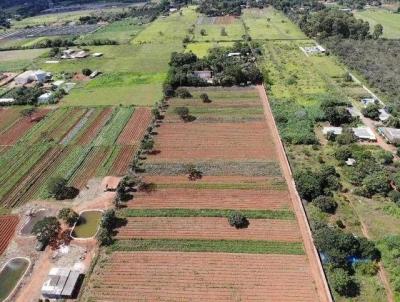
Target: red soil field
(214,228)
(8,223)
(211,199)
(89,167)
(14,197)
(11,135)
(136,127)
(188,141)
(95,127)
(175,276)
(123,160)
(225,20)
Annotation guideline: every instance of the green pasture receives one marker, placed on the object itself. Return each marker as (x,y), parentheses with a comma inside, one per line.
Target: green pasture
(170,29)
(270,24)
(390,21)
(201,49)
(17,60)
(234,31)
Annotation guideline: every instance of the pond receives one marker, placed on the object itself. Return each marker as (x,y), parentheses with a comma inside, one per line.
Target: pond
(11,274)
(87,225)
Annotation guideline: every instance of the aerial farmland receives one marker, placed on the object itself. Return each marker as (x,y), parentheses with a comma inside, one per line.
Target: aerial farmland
(216,151)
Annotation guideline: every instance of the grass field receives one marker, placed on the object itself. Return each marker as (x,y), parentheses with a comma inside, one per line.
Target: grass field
(234,31)
(201,49)
(390,21)
(270,24)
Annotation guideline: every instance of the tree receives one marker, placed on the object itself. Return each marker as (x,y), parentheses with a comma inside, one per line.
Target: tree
(385,157)
(58,189)
(238,220)
(28,112)
(308,185)
(203,32)
(183,93)
(108,220)
(343,283)
(376,183)
(205,98)
(378,31)
(183,113)
(148,144)
(346,138)
(194,173)
(104,237)
(223,32)
(46,229)
(86,71)
(68,215)
(371,111)
(325,203)
(338,116)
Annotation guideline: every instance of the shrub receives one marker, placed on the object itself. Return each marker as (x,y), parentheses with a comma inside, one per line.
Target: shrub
(68,215)
(346,138)
(369,268)
(238,220)
(205,98)
(86,72)
(395,196)
(385,157)
(223,32)
(104,237)
(58,189)
(183,93)
(203,32)
(371,111)
(194,173)
(108,220)
(183,113)
(46,229)
(148,144)
(343,283)
(342,153)
(376,183)
(325,203)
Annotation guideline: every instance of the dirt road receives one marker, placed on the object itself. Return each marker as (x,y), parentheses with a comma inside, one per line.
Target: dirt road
(312,254)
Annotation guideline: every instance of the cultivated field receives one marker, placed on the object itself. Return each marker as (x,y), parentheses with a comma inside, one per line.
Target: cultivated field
(8,223)
(389,21)
(166,276)
(231,144)
(214,27)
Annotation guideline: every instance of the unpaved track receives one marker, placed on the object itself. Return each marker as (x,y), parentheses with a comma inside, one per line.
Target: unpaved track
(312,254)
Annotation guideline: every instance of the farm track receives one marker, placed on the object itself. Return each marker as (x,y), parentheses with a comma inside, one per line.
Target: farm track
(13,197)
(212,199)
(8,224)
(176,276)
(93,130)
(234,141)
(122,161)
(15,131)
(89,167)
(136,127)
(208,228)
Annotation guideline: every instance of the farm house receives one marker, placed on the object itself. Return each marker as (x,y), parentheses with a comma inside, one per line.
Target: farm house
(31,76)
(392,135)
(60,284)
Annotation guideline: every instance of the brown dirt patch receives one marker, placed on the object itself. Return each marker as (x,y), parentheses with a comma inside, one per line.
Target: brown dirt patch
(225,20)
(136,127)
(214,228)
(175,276)
(211,199)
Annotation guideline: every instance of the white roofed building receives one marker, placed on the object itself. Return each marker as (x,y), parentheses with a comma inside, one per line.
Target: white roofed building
(364,133)
(60,283)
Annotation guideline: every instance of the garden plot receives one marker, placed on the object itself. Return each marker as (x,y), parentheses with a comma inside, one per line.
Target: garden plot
(8,224)
(213,228)
(270,24)
(204,277)
(215,29)
(200,49)
(136,127)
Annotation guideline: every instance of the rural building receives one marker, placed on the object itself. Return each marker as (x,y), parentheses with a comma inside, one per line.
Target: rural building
(60,284)
(334,130)
(30,76)
(204,74)
(97,54)
(73,54)
(368,101)
(392,135)
(5,101)
(44,98)
(364,133)
(383,115)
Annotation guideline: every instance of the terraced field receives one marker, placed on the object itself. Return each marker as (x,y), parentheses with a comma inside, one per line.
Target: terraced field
(240,171)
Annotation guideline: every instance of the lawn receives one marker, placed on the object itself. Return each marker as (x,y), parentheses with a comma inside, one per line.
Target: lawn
(17,60)
(390,21)
(233,31)
(200,49)
(270,24)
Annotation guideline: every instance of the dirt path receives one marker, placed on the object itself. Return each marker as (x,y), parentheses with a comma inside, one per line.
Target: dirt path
(382,272)
(312,254)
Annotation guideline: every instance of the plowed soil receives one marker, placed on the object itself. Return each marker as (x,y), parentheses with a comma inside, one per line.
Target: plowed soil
(123,160)
(233,141)
(174,276)
(208,228)
(95,127)
(8,223)
(211,199)
(136,127)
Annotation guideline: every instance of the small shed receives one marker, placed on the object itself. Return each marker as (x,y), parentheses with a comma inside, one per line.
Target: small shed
(7,101)
(364,133)
(45,98)
(368,101)
(334,130)
(97,54)
(383,115)
(392,135)
(61,283)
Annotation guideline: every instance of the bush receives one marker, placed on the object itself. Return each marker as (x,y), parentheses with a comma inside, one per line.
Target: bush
(346,138)
(371,111)
(108,220)
(326,204)
(238,220)
(376,183)
(342,153)
(395,196)
(58,189)
(86,72)
(183,93)
(184,114)
(308,185)
(385,157)
(68,215)
(369,268)
(104,237)
(46,229)
(343,283)
(205,98)
(194,173)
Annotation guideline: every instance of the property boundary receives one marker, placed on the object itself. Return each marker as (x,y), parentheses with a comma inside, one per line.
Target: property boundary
(317,271)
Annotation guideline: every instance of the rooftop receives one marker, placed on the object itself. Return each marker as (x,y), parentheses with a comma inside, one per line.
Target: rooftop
(364,133)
